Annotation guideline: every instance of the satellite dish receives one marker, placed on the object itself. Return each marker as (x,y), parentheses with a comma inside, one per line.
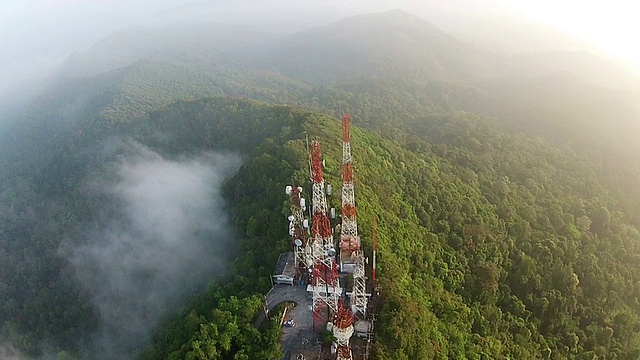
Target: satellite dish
(331,252)
(298,242)
(291,218)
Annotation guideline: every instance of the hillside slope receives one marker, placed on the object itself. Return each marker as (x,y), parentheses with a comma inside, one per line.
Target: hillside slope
(75,232)
(490,244)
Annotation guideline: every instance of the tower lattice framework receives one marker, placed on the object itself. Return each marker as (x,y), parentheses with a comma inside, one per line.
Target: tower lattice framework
(342,331)
(298,229)
(351,255)
(349,240)
(325,269)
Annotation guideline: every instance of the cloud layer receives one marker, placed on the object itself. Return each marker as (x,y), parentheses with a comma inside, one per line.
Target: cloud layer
(165,238)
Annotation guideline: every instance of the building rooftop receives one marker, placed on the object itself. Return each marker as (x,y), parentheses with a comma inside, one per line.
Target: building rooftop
(286,265)
(362,327)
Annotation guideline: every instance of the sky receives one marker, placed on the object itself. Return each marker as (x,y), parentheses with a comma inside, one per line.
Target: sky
(37,35)
(611,25)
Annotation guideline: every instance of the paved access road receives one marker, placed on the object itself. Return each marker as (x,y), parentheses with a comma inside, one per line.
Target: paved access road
(301,338)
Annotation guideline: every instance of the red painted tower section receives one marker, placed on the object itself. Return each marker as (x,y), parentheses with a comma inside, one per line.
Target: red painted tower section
(349,240)
(342,331)
(326,288)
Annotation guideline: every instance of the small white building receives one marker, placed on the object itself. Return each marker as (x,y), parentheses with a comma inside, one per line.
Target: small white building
(285,271)
(362,328)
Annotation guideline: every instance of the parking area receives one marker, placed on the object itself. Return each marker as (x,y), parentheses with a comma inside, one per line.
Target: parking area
(300,339)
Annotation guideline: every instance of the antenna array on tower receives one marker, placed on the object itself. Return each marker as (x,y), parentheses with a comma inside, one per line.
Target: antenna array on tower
(316,256)
(326,287)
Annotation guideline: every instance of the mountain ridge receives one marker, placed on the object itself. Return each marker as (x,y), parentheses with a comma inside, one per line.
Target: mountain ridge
(377,45)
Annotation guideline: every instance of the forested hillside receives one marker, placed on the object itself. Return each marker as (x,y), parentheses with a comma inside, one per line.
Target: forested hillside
(36,252)
(490,243)
(142,205)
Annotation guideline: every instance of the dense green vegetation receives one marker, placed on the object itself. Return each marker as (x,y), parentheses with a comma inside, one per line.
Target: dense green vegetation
(494,245)
(519,239)
(32,254)
(512,237)
(506,250)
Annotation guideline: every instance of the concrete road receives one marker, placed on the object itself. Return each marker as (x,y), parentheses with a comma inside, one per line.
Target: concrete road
(300,339)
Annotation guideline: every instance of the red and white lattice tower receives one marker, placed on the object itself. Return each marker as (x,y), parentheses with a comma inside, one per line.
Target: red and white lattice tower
(342,331)
(326,288)
(351,256)
(349,241)
(358,294)
(298,229)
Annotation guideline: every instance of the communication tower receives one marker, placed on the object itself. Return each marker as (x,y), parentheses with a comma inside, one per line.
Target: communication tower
(298,229)
(342,331)
(326,289)
(349,240)
(351,255)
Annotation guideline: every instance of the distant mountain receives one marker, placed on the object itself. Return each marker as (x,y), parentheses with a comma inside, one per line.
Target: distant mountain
(586,65)
(128,92)
(377,66)
(390,44)
(208,45)
(569,110)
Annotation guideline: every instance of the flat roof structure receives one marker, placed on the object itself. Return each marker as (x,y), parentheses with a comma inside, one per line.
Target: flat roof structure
(285,270)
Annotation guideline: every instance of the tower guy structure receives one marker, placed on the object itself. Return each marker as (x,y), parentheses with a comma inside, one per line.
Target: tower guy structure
(352,258)
(326,287)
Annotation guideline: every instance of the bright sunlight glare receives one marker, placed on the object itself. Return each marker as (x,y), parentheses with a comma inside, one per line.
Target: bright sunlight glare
(613,25)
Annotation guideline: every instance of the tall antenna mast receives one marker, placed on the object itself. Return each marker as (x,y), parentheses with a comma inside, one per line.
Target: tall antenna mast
(325,283)
(342,331)
(351,256)
(349,241)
